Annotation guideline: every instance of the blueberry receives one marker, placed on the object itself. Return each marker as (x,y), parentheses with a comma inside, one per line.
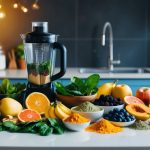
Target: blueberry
(128,119)
(119,119)
(124,120)
(106,104)
(123,110)
(102,97)
(132,118)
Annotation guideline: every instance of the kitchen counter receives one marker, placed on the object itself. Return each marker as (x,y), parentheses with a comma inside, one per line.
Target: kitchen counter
(127,138)
(22,74)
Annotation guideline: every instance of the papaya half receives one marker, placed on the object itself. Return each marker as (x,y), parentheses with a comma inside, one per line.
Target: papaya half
(140,111)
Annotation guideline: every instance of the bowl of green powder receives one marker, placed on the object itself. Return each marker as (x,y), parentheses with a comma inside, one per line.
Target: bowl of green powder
(89,110)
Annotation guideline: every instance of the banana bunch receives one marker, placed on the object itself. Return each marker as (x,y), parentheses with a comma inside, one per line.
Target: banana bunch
(58,110)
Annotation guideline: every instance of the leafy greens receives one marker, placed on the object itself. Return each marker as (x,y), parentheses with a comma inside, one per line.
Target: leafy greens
(79,87)
(43,127)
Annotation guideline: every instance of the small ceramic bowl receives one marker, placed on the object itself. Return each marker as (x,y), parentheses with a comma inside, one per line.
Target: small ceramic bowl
(72,101)
(107,109)
(76,127)
(123,124)
(93,116)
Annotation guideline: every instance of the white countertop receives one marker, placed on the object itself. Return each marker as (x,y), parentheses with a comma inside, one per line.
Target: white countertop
(127,138)
(22,74)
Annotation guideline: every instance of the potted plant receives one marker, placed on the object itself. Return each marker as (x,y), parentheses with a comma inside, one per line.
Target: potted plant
(19,52)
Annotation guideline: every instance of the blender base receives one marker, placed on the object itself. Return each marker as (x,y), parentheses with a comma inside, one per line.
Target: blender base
(47,89)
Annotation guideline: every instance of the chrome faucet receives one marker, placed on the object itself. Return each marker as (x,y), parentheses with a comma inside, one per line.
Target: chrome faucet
(111,62)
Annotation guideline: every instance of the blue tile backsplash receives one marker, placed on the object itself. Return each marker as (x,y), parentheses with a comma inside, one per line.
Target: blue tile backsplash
(79,24)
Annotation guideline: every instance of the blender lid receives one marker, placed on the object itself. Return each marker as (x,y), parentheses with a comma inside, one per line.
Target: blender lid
(40,34)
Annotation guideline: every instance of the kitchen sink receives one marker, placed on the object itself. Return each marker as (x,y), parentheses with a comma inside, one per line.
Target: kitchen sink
(115,70)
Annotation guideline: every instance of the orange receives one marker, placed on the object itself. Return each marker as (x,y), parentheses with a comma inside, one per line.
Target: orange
(38,102)
(28,115)
(132,100)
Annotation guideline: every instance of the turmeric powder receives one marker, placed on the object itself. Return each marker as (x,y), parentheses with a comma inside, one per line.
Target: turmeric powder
(103,126)
(76,118)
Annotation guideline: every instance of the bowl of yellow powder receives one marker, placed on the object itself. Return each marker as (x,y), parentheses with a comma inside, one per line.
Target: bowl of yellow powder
(76,122)
(89,111)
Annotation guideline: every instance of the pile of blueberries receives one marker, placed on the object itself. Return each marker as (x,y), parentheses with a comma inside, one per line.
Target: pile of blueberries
(108,100)
(119,116)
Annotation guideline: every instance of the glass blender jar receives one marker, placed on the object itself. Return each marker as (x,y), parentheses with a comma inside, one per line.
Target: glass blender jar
(40,53)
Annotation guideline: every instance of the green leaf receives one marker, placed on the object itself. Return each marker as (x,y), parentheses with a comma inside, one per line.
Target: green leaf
(61,89)
(11,126)
(75,93)
(44,129)
(5,85)
(71,86)
(77,81)
(57,125)
(91,83)
(53,122)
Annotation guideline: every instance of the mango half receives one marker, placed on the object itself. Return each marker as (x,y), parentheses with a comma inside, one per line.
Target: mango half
(140,111)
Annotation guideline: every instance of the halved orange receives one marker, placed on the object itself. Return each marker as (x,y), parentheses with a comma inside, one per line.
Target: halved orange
(28,115)
(37,101)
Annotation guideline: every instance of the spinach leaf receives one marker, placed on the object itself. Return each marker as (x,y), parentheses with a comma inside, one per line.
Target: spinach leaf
(78,82)
(79,87)
(1,126)
(61,89)
(71,86)
(57,125)
(44,129)
(11,90)
(52,122)
(75,93)
(58,130)
(5,85)
(11,126)
(19,87)
(28,127)
(91,83)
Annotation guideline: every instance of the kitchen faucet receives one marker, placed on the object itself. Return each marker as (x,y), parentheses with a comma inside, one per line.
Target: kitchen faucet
(111,62)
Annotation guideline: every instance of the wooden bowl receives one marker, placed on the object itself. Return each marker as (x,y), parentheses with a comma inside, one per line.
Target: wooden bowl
(72,101)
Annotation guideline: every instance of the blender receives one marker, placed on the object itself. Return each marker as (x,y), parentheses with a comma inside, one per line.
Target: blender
(40,53)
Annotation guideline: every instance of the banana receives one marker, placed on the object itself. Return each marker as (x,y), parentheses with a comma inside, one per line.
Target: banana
(60,113)
(51,112)
(64,108)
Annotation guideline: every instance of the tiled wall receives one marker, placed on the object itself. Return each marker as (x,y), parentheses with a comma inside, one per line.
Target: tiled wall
(79,24)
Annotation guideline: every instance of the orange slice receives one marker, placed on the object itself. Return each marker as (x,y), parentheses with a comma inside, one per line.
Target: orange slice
(132,100)
(38,102)
(28,115)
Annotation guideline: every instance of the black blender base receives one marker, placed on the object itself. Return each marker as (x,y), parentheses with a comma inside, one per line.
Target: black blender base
(47,89)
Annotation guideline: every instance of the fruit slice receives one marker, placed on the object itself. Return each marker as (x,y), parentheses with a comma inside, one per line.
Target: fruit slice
(60,113)
(132,100)
(28,115)
(38,102)
(51,112)
(140,111)
(64,108)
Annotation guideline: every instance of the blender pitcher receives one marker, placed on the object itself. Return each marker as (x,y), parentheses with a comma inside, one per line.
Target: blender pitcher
(40,47)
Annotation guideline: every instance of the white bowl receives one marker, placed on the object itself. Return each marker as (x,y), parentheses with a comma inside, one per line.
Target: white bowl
(93,116)
(107,109)
(76,126)
(123,124)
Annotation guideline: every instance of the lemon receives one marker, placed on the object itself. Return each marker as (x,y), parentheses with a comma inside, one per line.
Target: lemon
(9,106)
